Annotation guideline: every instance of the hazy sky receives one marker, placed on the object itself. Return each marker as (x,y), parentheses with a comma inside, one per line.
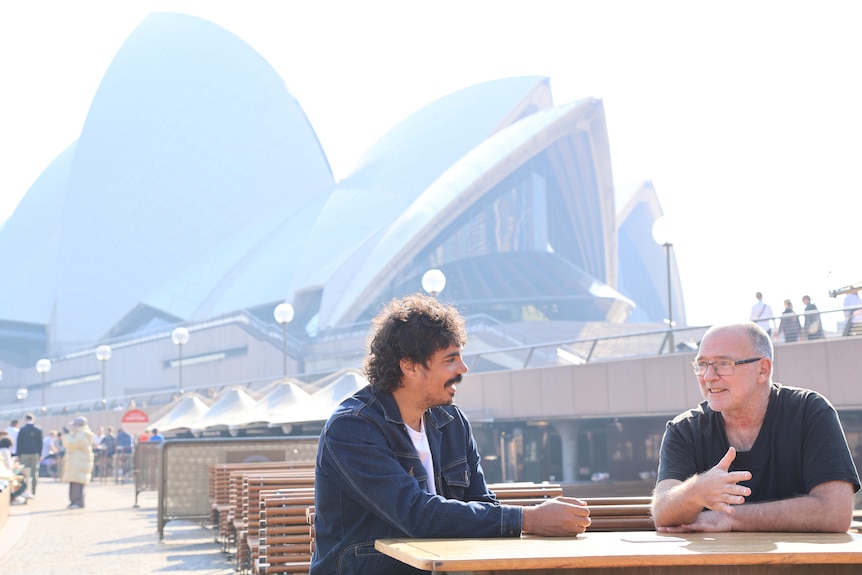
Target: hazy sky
(746,116)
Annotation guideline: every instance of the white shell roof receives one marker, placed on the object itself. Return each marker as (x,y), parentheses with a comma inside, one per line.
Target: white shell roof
(194,166)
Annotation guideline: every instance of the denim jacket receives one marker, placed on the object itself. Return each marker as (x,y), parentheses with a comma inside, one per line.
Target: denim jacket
(370,484)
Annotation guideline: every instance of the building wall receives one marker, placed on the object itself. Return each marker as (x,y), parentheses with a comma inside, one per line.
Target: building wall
(613,413)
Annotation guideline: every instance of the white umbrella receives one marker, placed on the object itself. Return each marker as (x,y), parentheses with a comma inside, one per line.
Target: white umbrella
(322,403)
(231,404)
(280,398)
(186,414)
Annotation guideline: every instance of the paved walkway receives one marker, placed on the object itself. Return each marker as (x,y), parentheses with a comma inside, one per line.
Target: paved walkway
(109,536)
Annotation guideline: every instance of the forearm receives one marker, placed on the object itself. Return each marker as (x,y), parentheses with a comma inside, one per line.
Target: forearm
(828,509)
(676,503)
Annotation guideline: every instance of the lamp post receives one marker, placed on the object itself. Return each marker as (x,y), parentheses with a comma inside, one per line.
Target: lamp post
(103,354)
(283,314)
(433,282)
(43,366)
(662,233)
(180,337)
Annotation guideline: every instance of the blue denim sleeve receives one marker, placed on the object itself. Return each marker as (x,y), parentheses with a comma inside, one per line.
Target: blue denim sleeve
(361,456)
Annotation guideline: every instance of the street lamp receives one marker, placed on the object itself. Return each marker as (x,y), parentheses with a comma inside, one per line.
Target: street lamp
(180,337)
(103,354)
(43,366)
(283,314)
(662,233)
(433,282)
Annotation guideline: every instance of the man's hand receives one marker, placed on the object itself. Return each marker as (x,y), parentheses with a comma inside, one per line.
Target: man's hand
(706,521)
(718,487)
(677,503)
(561,516)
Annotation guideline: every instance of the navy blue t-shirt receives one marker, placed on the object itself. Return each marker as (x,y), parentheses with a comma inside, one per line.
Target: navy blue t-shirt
(801,444)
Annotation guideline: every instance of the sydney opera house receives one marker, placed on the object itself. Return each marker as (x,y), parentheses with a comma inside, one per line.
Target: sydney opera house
(198,195)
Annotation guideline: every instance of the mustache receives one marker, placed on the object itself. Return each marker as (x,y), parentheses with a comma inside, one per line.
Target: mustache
(456,379)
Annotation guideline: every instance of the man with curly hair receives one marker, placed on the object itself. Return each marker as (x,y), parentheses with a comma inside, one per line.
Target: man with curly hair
(398,458)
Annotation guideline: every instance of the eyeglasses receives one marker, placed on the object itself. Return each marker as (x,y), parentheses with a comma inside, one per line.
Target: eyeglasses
(721,368)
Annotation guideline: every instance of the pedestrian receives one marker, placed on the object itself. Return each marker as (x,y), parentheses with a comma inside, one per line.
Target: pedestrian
(49,454)
(12,433)
(755,455)
(60,450)
(813,327)
(124,441)
(398,458)
(78,461)
(29,449)
(852,308)
(761,314)
(125,446)
(789,324)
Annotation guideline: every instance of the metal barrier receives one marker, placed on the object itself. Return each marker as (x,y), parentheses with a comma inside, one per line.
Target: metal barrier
(146,460)
(180,468)
(103,465)
(123,465)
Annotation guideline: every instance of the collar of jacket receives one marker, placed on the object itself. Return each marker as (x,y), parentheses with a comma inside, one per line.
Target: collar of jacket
(435,416)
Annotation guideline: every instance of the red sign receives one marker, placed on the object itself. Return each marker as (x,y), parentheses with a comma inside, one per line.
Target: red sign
(135,421)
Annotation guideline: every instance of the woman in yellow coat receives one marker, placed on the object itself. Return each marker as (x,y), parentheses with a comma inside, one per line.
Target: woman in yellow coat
(78,461)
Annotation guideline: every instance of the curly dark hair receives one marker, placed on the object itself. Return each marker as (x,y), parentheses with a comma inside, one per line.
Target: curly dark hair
(414,327)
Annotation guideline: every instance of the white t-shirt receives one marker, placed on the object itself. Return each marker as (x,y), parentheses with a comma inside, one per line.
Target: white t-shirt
(852,300)
(47,444)
(761,314)
(13,436)
(420,442)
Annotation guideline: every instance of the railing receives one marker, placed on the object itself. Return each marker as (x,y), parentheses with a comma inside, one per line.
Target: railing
(576,350)
(625,345)
(585,350)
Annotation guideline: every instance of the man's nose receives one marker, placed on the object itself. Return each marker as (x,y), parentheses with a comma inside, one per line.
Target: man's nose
(706,375)
(462,367)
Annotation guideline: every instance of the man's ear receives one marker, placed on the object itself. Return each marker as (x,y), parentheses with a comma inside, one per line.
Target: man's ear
(765,369)
(408,367)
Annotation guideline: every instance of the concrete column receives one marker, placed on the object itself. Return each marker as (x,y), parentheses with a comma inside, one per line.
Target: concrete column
(568,431)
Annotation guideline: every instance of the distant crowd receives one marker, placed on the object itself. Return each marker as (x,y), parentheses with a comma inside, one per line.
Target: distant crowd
(26,454)
(790,326)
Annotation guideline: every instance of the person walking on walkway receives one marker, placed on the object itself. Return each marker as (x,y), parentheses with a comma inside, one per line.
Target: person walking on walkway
(29,449)
(78,463)
(852,310)
(813,328)
(789,324)
(12,431)
(761,314)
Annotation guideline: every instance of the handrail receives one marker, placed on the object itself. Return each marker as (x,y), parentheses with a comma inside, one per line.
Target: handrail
(558,352)
(653,342)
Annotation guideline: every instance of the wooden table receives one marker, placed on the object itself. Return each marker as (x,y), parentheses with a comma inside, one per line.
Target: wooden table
(637,553)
